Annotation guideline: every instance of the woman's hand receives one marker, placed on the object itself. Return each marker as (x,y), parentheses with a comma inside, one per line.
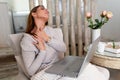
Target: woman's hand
(40,42)
(41,34)
(44,36)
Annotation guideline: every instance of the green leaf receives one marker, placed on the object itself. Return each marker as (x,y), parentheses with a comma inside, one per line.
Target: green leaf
(95,25)
(113,44)
(91,26)
(96,20)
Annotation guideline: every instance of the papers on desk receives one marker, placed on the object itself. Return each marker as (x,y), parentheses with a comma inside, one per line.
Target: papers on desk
(109,47)
(110,54)
(108,51)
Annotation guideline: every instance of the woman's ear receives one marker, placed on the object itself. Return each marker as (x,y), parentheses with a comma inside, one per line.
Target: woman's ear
(33,14)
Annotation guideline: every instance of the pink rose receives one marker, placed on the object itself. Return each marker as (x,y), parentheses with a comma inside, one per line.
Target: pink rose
(104,13)
(88,15)
(109,15)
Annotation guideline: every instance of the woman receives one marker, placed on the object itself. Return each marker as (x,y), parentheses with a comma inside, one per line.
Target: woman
(42,46)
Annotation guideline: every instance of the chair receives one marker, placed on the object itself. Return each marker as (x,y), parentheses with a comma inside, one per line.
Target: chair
(14,40)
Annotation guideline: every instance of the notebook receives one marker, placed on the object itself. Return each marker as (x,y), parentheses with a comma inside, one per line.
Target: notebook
(73,66)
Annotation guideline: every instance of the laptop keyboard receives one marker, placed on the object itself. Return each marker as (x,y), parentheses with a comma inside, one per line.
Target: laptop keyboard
(73,68)
(69,66)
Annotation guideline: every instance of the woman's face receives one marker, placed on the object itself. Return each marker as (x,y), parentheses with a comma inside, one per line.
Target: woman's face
(42,13)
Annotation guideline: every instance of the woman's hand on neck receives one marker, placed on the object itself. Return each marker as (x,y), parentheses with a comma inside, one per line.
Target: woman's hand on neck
(39,29)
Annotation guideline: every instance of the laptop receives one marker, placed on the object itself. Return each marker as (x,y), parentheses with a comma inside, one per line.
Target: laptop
(73,66)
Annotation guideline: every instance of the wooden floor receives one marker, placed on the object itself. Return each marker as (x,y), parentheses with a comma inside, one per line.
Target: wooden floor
(114,74)
(8,66)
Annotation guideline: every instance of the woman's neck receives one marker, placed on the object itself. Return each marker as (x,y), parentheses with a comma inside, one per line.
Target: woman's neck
(40,23)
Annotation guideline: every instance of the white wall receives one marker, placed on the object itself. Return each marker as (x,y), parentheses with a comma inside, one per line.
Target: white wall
(3,0)
(19,5)
(5,24)
(112,28)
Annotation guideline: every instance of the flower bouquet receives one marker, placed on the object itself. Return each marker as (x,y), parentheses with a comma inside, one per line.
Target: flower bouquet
(96,23)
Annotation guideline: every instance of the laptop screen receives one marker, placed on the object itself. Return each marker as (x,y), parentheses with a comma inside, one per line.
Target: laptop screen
(89,54)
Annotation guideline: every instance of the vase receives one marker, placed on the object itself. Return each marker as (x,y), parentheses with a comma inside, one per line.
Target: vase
(95,34)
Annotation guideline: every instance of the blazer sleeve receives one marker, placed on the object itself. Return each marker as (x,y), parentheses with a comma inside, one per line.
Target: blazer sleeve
(56,41)
(31,60)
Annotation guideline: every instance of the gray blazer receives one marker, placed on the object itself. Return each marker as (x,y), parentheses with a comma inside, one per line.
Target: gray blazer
(36,60)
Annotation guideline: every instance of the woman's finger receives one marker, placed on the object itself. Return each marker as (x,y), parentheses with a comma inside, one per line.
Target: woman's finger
(39,45)
(35,38)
